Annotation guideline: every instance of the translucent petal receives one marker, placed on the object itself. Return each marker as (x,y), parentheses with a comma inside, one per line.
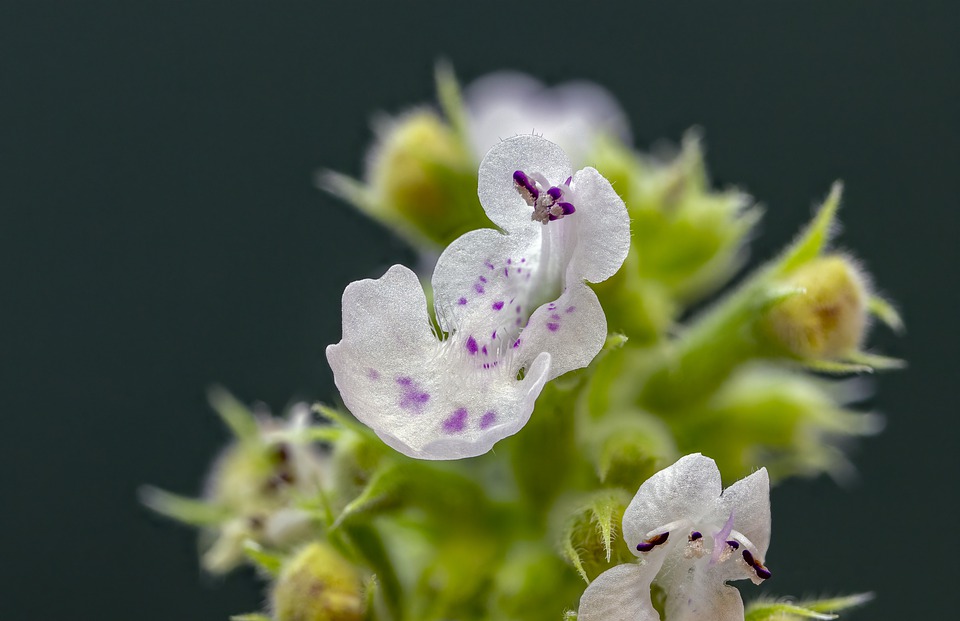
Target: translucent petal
(621,593)
(573,329)
(700,595)
(531,154)
(685,491)
(425,397)
(603,228)
(482,283)
(749,501)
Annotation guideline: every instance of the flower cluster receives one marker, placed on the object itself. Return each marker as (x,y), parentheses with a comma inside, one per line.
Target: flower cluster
(526,420)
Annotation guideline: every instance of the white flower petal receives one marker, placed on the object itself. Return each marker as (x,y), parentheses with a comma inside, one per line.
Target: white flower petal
(621,593)
(685,491)
(482,284)
(424,397)
(573,329)
(749,501)
(603,241)
(499,197)
(699,595)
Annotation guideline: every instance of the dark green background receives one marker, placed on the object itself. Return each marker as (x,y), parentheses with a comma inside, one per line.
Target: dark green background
(161,232)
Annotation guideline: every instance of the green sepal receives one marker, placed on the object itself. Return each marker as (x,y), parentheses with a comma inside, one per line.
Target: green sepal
(451,100)
(251,616)
(885,312)
(766,610)
(589,525)
(237,416)
(876,361)
(182,509)
(269,562)
(814,239)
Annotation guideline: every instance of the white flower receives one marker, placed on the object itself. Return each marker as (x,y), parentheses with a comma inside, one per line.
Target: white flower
(692,539)
(513,310)
(572,115)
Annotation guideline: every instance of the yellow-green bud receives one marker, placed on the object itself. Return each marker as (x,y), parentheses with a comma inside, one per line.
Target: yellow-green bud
(422,175)
(317,584)
(827,317)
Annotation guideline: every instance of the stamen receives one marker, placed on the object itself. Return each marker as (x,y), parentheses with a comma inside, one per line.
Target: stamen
(695,535)
(762,572)
(652,542)
(734,544)
(527,187)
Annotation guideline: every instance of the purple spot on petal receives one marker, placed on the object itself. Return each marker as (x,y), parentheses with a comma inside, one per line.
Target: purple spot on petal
(478,288)
(570,309)
(516,343)
(456,422)
(462,301)
(373,374)
(519,269)
(497,305)
(553,327)
(518,321)
(519,308)
(488,264)
(483,279)
(509,261)
(555,316)
(506,272)
(494,335)
(523,260)
(472,346)
(412,397)
(488,419)
(484,350)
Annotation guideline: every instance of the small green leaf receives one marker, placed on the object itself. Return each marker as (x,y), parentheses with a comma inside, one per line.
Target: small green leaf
(885,312)
(876,361)
(180,508)
(816,236)
(776,611)
(235,414)
(451,99)
(270,562)
(838,603)
(836,367)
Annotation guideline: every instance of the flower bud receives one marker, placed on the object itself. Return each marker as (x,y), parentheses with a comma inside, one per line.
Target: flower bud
(422,177)
(827,317)
(317,584)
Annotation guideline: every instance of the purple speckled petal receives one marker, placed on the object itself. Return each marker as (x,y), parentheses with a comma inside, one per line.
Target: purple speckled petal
(621,593)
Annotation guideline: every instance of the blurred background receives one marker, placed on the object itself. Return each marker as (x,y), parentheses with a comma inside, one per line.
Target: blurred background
(161,232)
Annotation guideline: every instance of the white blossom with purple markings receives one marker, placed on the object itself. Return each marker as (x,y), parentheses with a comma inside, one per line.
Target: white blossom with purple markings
(692,537)
(512,307)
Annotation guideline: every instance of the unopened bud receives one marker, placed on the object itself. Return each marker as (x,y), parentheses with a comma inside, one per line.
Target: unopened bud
(317,584)
(827,317)
(421,174)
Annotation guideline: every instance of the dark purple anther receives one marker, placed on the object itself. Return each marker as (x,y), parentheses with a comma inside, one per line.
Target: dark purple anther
(652,542)
(762,572)
(555,193)
(734,544)
(568,208)
(526,187)
(695,535)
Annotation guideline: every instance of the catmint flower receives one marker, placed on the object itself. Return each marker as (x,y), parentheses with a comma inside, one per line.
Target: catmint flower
(573,114)
(317,584)
(692,537)
(512,310)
